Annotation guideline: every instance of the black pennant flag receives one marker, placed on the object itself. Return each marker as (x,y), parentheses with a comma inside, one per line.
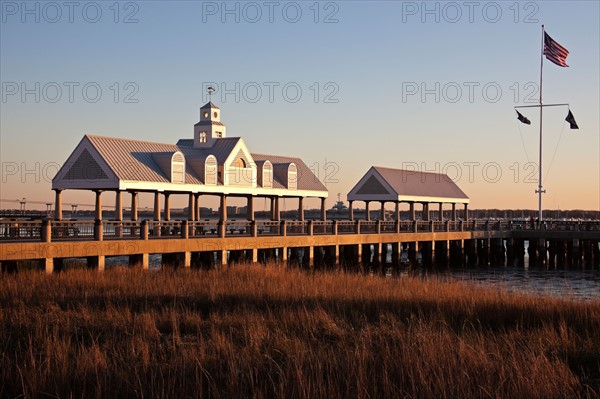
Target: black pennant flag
(523,119)
(571,119)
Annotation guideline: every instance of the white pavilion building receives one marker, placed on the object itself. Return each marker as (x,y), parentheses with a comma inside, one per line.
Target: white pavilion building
(208,164)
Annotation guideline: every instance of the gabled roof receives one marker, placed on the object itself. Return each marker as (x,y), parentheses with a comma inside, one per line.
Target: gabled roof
(306,178)
(202,123)
(209,105)
(221,149)
(185,143)
(133,160)
(100,162)
(388,184)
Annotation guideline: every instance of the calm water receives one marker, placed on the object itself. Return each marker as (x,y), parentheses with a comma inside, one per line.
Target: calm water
(575,284)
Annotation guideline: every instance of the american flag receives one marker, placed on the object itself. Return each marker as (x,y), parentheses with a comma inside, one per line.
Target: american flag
(555,52)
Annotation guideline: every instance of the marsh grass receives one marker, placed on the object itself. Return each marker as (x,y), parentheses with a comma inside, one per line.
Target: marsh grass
(261,332)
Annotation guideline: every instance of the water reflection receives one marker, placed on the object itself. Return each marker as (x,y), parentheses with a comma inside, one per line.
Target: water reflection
(575,284)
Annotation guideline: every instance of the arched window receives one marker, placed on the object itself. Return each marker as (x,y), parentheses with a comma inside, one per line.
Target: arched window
(210,170)
(178,168)
(292,183)
(267,175)
(202,137)
(239,163)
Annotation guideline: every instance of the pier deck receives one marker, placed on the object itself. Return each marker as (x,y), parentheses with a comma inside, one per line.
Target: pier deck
(49,240)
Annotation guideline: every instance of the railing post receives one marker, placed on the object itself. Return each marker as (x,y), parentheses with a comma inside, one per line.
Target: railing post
(98,230)
(447,225)
(431,226)
(46,232)
(222,227)
(282,228)
(378,226)
(415,226)
(310,227)
(462,225)
(144,229)
(253,228)
(185,232)
(334,227)
(397,226)
(357,227)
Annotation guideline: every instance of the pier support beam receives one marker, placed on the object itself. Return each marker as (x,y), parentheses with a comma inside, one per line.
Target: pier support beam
(396,254)
(456,252)
(426,248)
(471,251)
(96,262)
(139,260)
(441,252)
(48,265)
(497,253)
(510,251)
(413,252)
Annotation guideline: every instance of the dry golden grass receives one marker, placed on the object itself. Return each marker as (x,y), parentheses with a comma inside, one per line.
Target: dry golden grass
(272,332)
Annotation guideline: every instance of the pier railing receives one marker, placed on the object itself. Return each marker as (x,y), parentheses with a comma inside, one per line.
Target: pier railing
(87,230)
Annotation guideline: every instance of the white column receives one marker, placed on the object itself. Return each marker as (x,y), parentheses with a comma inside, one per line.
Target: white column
(167,206)
(98,205)
(118,206)
(134,205)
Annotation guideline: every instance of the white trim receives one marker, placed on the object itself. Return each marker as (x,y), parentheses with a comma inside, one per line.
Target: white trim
(59,182)
(229,169)
(218,189)
(408,198)
(394,196)
(352,196)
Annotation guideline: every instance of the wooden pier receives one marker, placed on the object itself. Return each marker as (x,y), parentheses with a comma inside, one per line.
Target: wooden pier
(309,243)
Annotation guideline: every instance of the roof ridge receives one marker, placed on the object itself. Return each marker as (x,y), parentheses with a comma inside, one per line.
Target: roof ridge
(273,155)
(410,170)
(124,139)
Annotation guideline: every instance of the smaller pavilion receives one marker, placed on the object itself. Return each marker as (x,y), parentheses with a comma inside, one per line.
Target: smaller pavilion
(398,185)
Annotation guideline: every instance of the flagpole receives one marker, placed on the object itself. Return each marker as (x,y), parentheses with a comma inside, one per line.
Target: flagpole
(539,190)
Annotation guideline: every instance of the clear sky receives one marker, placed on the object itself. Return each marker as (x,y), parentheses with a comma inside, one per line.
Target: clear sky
(343,85)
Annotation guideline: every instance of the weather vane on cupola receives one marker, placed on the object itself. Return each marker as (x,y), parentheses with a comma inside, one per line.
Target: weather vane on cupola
(210,91)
